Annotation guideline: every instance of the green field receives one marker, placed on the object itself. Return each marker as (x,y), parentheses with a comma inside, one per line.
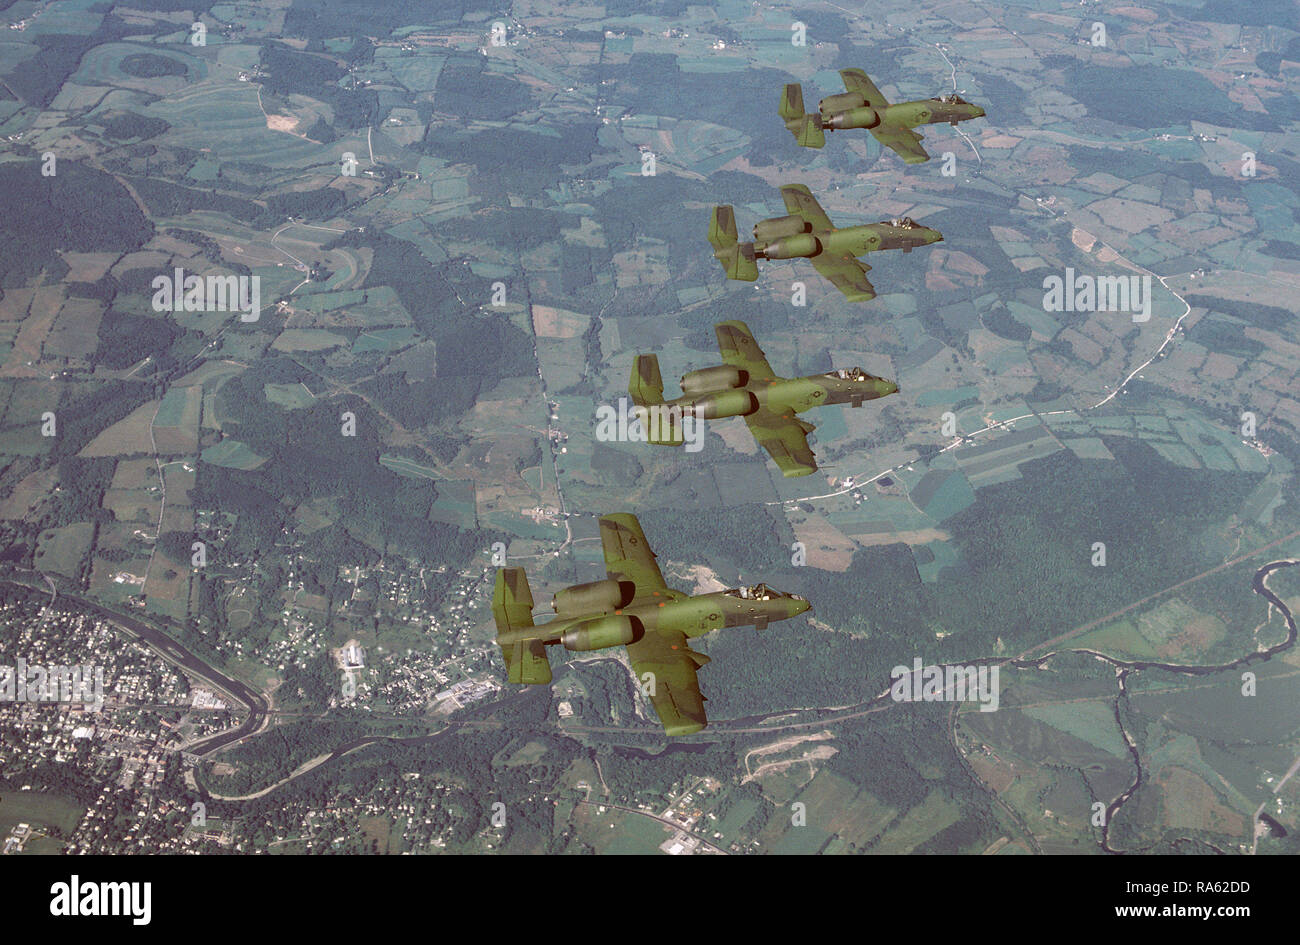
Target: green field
(43,811)
(407,467)
(289,396)
(232,454)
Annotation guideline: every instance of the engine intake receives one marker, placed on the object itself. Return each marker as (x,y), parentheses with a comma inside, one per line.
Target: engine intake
(602,632)
(594,598)
(723,377)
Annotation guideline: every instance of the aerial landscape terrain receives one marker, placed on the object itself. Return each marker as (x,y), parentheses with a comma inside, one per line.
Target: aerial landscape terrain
(314,315)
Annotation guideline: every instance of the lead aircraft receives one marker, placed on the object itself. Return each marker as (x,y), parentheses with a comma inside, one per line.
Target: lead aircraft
(635,608)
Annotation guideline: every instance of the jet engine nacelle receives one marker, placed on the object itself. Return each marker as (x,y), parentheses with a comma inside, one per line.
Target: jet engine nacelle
(594,598)
(724,403)
(865,117)
(805,244)
(602,632)
(840,103)
(723,377)
(769,230)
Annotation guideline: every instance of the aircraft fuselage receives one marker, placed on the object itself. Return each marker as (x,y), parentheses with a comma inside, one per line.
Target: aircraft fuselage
(849,110)
(846,241)
(660,611)
(780,394)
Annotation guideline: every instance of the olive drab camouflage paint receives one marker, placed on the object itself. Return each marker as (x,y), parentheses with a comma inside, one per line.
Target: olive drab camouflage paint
(808,232)
(635,608)
(863,106)
(745,386)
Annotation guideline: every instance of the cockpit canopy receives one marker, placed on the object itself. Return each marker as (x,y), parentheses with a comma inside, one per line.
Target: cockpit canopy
(951,99)
(755,592)
(905,223)
(851,374)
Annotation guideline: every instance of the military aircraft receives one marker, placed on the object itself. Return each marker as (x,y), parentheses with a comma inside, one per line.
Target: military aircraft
(745,386)
(808,232)
(862,106)
(632,607)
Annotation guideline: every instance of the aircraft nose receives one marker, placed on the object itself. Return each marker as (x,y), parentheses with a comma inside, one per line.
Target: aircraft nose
(889,387)
(934,236)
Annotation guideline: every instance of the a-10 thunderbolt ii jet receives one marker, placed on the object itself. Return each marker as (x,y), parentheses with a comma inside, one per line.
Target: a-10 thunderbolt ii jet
(632,607)
(863,106)
(808,232)
(745,386)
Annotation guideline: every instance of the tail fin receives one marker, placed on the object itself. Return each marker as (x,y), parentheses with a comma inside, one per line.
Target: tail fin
(737,258)
(792,102)
(512,608)
(807,129)
(662,424)
(647,384)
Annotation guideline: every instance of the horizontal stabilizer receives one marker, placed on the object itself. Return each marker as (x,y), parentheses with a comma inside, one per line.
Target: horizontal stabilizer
(807,129)
(526,663)
(737,258)
(512,608)
(811,134)
(662,424)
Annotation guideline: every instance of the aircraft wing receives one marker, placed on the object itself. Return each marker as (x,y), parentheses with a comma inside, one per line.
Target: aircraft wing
(855,80)
(628,556)
(800,202)
(904,142)
(672,684)
(847,274)
(739,349)
(785,437)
